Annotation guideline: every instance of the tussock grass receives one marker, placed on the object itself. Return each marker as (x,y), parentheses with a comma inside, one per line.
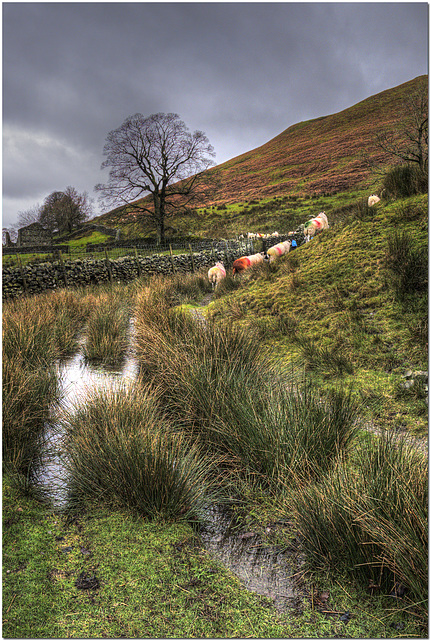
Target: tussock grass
(27,395)
(70,309)
(407,264)
(184,288)
(121,451)
(107,327)
(403,181)
(234,400)
(318,356)
(27,333)
(29,383)
(227,285)
(370,518)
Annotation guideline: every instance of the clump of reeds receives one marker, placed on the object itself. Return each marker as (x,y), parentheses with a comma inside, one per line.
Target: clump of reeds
(233,400)
(69,310)
(227,285)
(370,519)
(107,327)
(408,265)
(402,181)
(29,382)
(27,332)
(317,356)
(362,210)
(183,288)
(121,451)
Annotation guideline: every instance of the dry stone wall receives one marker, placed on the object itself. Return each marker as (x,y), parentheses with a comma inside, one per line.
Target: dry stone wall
(37,278)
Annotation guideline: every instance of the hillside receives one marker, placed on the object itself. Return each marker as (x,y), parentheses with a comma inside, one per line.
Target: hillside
(311,165)
(350,309)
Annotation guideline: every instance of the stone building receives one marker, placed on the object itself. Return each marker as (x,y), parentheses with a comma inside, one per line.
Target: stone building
(34,235)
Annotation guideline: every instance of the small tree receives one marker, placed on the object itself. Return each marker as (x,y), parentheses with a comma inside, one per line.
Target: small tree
(29,216)
(410,144)
(63,211)
(156,156)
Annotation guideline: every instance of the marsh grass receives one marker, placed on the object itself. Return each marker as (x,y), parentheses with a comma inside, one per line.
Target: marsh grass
(70,309)
(227,285)
(106,331)
(320,357)
(29,384)
(184,288)
(362,211)
(403,181)
(370,518)
(284,435)
(28,333)
(121,451)
(408,266)
(27,396)
(234,400)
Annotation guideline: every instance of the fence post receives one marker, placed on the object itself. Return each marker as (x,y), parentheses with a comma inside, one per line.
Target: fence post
(192,257)
(227,254)
(63,268)
(21,268)
(171,258)
(108,266)
(139,272)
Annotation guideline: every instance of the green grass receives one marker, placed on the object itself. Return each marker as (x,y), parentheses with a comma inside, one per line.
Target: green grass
(334,304)
(155,580)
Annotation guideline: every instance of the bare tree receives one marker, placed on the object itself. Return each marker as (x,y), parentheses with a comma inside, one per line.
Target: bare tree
(156,156)
(63,211)
(29,216)
(410,142)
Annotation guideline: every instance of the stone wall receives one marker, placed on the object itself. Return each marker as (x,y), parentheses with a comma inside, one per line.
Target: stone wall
(33,279)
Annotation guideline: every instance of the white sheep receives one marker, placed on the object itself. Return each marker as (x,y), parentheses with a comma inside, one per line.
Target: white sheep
(280,249)
(373,199)
(315,225)
(216,274)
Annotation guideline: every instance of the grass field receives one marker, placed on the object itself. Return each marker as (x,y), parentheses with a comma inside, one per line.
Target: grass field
(263,407)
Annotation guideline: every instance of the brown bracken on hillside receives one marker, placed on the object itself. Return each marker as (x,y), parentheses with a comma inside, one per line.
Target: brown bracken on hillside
(327,155)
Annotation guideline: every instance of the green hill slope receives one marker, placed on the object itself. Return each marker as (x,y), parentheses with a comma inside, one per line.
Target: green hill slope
(337,306)
(314,165)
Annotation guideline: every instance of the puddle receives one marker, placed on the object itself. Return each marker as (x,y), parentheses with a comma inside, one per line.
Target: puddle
(77,379)
(265,570)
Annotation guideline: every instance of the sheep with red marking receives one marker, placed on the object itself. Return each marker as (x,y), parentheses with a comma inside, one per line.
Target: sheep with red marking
(216,274)
(243,263)
(280,249)
(315,225)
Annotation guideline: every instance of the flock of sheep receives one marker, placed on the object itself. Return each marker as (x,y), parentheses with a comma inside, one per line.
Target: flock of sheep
(311,228)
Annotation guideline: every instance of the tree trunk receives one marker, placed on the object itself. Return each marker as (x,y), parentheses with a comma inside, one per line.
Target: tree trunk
(159,217)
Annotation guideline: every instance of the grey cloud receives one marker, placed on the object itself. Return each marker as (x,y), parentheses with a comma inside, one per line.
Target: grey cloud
(241,72)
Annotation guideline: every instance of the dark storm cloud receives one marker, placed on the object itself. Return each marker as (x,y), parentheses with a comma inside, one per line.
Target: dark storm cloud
(241,72)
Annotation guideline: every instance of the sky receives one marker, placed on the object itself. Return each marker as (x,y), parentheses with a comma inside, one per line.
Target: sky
(241,72)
